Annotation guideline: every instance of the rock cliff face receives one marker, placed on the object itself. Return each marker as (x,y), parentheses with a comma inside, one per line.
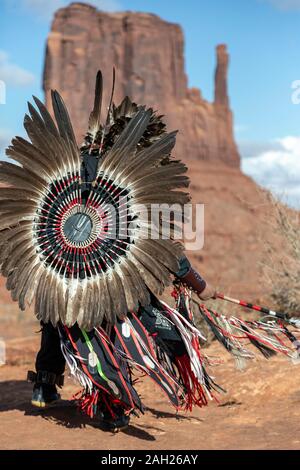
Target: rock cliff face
(148,54)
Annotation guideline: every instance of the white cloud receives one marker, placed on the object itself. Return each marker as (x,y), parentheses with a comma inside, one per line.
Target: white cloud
(275,166)
(12,74)
(286,5)
(250,148)
(45,8)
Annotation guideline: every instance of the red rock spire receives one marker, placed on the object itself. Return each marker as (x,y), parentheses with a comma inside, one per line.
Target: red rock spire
(221,94)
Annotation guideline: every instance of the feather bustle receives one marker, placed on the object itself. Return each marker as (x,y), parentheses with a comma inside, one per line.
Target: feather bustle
(95,116)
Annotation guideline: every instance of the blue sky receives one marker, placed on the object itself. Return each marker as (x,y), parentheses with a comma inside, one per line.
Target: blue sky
(263,37)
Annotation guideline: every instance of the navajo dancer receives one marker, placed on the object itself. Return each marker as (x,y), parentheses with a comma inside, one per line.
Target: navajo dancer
(76,238)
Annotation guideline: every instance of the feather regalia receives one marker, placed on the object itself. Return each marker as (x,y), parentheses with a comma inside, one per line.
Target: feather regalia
(60,235)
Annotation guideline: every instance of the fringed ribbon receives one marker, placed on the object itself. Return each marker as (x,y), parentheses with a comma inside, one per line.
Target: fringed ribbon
(87,401)
(198,384)
(269,337)
(194,392)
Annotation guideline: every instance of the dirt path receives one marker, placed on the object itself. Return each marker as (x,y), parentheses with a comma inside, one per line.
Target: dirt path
(260,411)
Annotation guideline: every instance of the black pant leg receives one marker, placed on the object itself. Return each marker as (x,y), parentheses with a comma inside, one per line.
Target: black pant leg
(50,357)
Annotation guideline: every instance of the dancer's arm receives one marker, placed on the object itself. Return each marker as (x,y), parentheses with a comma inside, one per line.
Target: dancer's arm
(193,280)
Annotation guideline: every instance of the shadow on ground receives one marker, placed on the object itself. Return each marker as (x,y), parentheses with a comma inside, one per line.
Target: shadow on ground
(16,395)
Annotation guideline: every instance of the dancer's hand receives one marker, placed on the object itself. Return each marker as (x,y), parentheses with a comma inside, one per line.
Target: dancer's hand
(208,293)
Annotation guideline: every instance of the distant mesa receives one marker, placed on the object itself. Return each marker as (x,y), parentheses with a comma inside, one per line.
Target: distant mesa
(148,54)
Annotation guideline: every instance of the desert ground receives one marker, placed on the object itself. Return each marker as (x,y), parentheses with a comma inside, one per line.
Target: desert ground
(260,410)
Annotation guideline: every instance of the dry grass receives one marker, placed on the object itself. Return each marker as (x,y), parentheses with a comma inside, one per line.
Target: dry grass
(282,260)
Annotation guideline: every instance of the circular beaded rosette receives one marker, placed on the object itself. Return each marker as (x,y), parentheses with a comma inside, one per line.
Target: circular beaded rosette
(78,232)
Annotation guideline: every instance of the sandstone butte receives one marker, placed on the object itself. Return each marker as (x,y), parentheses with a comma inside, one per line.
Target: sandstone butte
(148,54)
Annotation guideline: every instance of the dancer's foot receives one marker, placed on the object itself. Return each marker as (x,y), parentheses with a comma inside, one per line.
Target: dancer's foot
(44,395)
(117,423)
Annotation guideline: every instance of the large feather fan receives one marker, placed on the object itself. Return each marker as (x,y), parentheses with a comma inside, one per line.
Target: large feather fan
(81,247)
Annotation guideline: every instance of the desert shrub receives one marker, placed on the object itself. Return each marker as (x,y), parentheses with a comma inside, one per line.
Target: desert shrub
(281,265)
